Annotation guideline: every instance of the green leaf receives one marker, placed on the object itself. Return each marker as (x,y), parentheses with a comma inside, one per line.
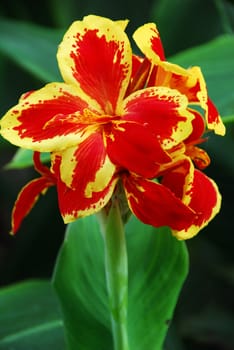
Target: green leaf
(80,282)
(216,61)
(158,265)
(30,317)
(157,268)
(23,158)
(32,47)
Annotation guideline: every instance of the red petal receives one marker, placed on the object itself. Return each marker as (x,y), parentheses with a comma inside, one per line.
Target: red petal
(85,178)
(214,120)
(46,119)
(201,195)
(198,128)
(189,82)
(156,205)
(164,111)
(27,199)
(148,40)
(95,54)
(205,198)
(134,147)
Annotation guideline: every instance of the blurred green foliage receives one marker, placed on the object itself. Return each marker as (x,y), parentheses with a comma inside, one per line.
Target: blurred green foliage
(204,316)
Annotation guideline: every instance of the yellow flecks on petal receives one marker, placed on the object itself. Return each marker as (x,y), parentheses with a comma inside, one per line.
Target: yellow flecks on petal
(182,131)
(36,133)
(102,178)
(110,32)
(193,230)
(175,104)
(92,208)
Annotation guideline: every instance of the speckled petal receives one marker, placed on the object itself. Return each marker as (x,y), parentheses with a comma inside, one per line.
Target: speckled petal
(95,55)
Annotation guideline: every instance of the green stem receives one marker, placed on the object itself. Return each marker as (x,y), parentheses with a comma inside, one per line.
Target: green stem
(116,266)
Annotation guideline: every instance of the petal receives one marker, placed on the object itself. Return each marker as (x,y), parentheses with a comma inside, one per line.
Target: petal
(179,178)
(214,120)
(188,81)
(191,83)
(27,199)
(164,111)
(85,178)
(46,119)
(95,55)
(136,64)
(140,74)
(148,40)
(154,204)
(199,128)
(134,147)
(205,201)
(198,156)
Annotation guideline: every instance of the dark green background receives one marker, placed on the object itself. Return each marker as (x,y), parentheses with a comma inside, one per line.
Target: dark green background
(204,316)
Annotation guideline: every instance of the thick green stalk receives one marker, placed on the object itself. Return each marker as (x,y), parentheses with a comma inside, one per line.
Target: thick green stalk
(116,266)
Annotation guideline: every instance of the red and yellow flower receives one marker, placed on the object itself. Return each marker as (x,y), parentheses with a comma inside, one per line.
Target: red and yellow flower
(119,118)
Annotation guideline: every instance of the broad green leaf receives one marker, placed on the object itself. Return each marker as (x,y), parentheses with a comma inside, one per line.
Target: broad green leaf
(80,282)
(216,59)
(24,158)
(157,268)
(32,47)
(158,265)
(30,317)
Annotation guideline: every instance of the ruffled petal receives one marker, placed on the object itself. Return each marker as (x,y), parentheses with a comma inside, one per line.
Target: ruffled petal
(46,120)
(85,178)
(164,111)
(26,200)
(154,204)
(202,196)
(134,147)
(95,55)
(189,82)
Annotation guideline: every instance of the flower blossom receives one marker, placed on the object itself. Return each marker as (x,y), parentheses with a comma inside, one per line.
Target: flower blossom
(119,118)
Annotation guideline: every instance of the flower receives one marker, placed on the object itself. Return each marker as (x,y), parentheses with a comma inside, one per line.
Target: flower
(120,118)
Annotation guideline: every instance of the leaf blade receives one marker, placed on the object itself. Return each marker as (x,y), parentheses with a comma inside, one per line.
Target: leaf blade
(79,262)
(35,326)
(22,42)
